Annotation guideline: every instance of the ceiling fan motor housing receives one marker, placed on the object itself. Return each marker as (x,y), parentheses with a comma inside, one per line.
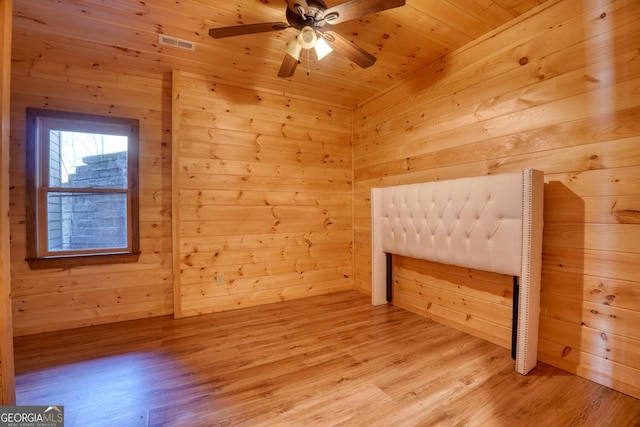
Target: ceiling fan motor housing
(312,17)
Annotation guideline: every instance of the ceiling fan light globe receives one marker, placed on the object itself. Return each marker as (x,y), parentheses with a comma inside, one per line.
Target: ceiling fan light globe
(307,38)
(322,48)
(294,48)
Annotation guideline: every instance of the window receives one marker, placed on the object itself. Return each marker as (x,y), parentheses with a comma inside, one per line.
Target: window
(82,189)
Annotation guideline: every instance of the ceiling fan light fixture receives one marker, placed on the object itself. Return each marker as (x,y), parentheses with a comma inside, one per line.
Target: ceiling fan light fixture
(322,48)
(294,49)
(307,38)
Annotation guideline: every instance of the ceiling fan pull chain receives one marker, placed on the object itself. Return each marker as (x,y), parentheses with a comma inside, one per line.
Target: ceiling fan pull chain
(308,68)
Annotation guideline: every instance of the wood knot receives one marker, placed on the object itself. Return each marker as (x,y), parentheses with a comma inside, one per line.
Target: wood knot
(523,61)
(627,216)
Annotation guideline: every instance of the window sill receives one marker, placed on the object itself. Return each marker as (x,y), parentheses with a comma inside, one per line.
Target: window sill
(81,260)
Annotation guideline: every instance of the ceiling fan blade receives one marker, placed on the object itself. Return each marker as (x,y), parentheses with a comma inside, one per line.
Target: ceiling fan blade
(298,6)
(288,67)
(239,30)
(357,8)
(349,49)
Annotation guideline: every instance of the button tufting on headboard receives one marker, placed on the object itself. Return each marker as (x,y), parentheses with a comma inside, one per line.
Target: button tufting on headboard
(455,222)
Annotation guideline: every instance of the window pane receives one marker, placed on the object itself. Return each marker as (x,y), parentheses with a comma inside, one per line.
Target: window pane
(83,221)
(87,160)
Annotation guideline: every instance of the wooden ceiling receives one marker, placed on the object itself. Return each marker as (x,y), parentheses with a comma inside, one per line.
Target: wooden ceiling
(123,35)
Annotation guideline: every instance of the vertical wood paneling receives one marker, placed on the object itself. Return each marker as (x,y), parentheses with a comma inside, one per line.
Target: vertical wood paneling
(557,90)
(53,299)
(7,376)
(262,190)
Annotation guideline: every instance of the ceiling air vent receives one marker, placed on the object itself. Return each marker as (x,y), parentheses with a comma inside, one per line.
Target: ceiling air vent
(176,42)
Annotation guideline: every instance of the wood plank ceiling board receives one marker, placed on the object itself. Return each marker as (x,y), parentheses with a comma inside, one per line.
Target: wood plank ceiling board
(123,35)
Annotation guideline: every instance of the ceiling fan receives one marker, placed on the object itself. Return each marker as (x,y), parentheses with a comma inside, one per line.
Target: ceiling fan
(314,21)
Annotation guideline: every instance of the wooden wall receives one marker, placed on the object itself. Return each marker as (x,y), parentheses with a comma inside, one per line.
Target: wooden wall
(53,299)
(262,196)
(7,380)
(262,183)
(558,90)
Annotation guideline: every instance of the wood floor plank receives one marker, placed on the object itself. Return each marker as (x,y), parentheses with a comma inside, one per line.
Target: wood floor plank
(331,360)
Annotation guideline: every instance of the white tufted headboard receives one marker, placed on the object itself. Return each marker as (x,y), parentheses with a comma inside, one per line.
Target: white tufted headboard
(490,223)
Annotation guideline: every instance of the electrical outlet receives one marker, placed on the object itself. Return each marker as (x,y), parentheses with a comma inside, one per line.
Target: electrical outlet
(220,279)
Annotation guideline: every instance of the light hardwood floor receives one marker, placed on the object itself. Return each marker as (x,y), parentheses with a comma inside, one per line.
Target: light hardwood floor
(325,361)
